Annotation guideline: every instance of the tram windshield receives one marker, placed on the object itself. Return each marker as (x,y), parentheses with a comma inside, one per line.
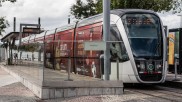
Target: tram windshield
(144,34)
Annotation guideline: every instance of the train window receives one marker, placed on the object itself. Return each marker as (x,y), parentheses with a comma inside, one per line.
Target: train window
(117,47)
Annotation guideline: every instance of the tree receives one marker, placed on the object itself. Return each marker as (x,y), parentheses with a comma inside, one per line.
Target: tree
(155,5)
(81,10)
(3,24)
(90,8)
(1,1)
(77,9)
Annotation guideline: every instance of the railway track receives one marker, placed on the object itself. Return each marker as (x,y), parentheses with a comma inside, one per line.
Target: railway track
(157,92)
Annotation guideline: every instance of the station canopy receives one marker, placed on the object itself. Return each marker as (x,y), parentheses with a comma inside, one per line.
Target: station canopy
(26,32)
(10,36)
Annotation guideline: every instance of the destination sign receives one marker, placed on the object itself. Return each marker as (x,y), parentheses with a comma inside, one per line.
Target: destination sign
(31,30)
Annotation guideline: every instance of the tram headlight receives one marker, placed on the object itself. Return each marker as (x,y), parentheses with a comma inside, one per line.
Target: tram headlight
(142,66)
(158,67)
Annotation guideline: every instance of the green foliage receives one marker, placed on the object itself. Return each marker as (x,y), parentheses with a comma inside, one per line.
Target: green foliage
(31,47)
(4,45)
(79,8)
(3,24)
(1,1)
(155,5)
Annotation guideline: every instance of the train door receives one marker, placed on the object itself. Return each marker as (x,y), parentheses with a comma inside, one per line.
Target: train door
(87,62)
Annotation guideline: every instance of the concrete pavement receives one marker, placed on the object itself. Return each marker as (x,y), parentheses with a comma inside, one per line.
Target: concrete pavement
(6,79)
(13,91)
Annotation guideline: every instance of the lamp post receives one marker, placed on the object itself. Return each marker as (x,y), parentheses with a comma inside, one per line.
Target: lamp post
(180,55)
(68,19)
(180,21)
(106,30)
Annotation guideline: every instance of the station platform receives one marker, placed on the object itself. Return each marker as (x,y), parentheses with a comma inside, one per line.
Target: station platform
(49,84)
(173,81)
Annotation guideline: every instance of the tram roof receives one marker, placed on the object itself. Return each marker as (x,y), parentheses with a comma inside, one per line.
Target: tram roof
(66,27)
(10,36)
(119,12)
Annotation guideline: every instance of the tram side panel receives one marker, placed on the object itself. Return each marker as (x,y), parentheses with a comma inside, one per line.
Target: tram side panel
(63,47)
(49,58)
(88,62)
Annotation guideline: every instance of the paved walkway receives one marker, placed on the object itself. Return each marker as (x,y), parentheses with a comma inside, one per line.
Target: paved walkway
(171,77)
(6,79)
(13,91)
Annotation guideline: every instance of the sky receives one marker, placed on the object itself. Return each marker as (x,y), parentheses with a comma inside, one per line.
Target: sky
(54,13)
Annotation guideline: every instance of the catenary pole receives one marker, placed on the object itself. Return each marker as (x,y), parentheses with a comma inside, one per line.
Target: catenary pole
(106,31)
(14,25)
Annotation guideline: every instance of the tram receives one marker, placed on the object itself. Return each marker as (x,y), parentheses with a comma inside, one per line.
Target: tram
(137,39)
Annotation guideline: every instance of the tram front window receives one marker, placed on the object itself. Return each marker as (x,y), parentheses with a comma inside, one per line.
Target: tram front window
(144,34)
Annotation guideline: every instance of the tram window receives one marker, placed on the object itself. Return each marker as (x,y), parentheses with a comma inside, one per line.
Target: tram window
(117,47)
(141,25)
(143,29)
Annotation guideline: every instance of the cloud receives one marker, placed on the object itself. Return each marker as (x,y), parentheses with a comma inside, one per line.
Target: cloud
(53,13)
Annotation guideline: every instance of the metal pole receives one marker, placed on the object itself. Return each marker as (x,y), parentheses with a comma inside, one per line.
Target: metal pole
(69,67)
(44,58)
(175,69)
(106,31)
(180,32)
(14,29)
(181,21)
(20,34)
(39,24)
(117,61)
(68,19)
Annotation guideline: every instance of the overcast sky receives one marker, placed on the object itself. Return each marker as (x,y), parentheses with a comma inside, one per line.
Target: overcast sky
(54,13)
